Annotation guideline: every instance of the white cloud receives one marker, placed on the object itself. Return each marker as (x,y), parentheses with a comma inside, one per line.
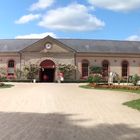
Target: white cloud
(117,5)
(133,38)
(26,18)
(36,36)
(74,17)
(41,4)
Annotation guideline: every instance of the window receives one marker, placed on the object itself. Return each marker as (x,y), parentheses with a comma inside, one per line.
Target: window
(105,68)
(11,66)
(124,69)
(85,66)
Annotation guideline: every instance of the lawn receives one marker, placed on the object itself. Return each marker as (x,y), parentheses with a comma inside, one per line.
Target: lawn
(6,86)
(124,90)
(133,104)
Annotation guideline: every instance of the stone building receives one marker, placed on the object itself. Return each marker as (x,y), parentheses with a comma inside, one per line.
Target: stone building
(122,57)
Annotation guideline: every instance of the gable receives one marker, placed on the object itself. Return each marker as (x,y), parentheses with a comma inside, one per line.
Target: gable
(40,46)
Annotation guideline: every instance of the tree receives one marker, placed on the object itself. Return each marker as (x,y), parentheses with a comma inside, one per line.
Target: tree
(66,69)
(31,71)
(3,74)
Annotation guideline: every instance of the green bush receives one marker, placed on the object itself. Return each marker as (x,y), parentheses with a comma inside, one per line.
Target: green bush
(135,79)
(3,79)
(90,79)
(18,73)
(95,69)
(31,71)
(67,70)
(94,78)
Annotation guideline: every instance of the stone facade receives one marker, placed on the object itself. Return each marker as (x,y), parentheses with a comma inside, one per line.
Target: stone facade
(60,54)
(115,62)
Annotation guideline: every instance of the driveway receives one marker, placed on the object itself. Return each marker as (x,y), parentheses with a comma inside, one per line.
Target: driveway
(66,112)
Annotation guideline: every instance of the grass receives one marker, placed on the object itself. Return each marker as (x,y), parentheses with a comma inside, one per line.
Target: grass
(86,87)
(6,86)
(135,104)
(123,90)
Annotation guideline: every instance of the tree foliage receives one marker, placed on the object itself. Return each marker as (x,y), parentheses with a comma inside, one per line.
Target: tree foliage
(3,74)
(66,69)
(95,69)
(31,71)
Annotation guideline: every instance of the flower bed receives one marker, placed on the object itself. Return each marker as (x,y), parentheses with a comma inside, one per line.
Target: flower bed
(127,87)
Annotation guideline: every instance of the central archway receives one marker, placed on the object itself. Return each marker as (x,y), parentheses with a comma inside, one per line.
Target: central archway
(47,71)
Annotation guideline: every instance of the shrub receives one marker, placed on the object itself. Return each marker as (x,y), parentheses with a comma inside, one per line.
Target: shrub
(18,73)
(95,69)
(135,79)
(3,79)
(31,71)
(95,78)
(117,78)
(90,79)
(67,70)
(115,87)
(3,73)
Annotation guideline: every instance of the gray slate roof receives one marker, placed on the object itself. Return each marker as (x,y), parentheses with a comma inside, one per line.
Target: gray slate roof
(79,45)
(103,46)
(15,45)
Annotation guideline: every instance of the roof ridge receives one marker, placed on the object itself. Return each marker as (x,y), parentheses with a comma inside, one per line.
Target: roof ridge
(78,39)
(98,40)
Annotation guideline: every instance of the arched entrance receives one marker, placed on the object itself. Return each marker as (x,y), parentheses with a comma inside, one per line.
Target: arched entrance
(47,71)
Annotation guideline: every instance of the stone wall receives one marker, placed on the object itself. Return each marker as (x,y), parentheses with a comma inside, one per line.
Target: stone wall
(69,58)
(57,58)
(115,62)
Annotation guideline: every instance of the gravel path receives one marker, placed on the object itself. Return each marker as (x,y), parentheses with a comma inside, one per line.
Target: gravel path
(66,112)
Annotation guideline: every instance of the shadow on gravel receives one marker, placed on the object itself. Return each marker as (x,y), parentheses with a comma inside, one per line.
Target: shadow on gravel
(57,126)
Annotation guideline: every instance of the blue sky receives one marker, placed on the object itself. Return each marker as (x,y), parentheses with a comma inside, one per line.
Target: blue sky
(92,19)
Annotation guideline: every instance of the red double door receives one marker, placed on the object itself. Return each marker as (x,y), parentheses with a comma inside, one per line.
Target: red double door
(47,71)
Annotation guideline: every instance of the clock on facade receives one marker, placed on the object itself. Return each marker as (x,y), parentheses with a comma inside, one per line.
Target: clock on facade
(48,45)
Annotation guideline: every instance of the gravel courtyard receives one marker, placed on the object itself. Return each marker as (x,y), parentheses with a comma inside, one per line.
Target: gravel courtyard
(66,112)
